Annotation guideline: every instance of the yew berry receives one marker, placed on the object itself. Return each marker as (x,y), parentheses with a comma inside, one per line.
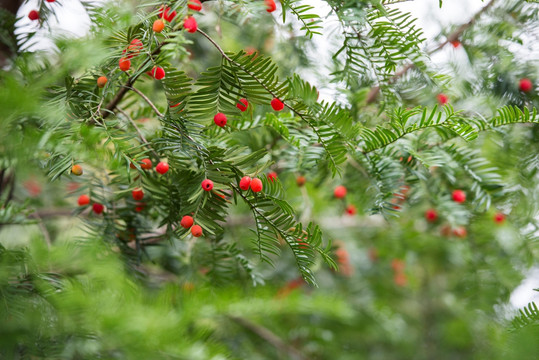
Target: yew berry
(272,176)
(33,15)
(140,207)
(245,182)
(76,170)
(499,218)
(397,265)
(431,215)
(124,64)
(277,104)
(196,230)
(351,210)
(195,5)
(242,105)
(220,119)
(190,24)
(256,185)
(158,26)
(138,194)
(98,208)
(101,81)
(525,85)
(339,192)
(460,232)
(157,72)
(270,5)
(169,15)
(176,105)
(300,180)
(83,200)
(455,43)
(207,185)
(459,196)
(51,0)
(146,164)
(302,244)
(442,99)
(161,168)
(186,222)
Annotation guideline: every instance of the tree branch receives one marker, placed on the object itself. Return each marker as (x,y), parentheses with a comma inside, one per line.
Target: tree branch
(141,136)
(154,108)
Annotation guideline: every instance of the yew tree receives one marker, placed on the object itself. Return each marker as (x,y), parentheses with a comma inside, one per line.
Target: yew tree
(267,179)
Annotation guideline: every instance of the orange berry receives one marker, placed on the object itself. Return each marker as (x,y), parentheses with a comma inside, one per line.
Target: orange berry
(124,64)
(158,26)
(196,230)
(101,81)
(76,170)
(83,200)
(186,222)
(339,192)
(300,180)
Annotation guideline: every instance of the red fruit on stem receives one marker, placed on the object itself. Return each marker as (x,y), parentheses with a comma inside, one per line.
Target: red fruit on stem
(186,222)
(242,104)
(124,64)
(431,215)
(277,104)
(499,218)
(161,168)
(256,185)
(157,72)
(196,231)
(397,265)
(525,85)
(190,24)
(98,208)
(220,119)
(270,5)
(146,164)
(165,13)
(158,26)
(195,5)
(51,0)
(339,192)
(101,81)
(207,185)
(33,15)
(455,43)
(272,176)
(245,182)
(76,170)
(138,194)
(351,210)
(459,196)
(83,200)
(300,180)
(140,207)
(442,99)
(460,232)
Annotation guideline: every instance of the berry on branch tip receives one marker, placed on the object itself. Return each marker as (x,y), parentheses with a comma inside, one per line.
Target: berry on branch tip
(101,81)
(83,200)
(195,5)
(220,119)
(442,99)
(158,26)
(190,24)
(256,185)
(137,194)
(146,164)
(207,184)
(431,215)
(458,196)
(196,231)
(351,210)
(270,5)
(98,208)
(157,72)
(242,104)
(499,218)
(124,64)
(339,192)
(186,222)
(300,180)
(162,168)
(277,104)
(272,176)
(525,85)
(33,15)
(76,170)
(245,182)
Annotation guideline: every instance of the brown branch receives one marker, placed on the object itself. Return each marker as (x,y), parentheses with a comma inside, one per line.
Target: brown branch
(269,337)
(373,93)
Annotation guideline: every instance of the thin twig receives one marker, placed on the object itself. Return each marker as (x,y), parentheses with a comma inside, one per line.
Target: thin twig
(373,93)
(141,136)
(141,94)
(43,229)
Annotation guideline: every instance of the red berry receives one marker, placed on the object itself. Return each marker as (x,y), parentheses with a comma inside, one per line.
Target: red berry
(300,180)
(140,207)
(351,210)
(339,192)
(51,0)
(525,85)
(146,164)
(455,43)
(277,104)
(33,15)
(124,64)
(270,5)
(138,194)
(499,218)
(256,185)
(431,215)
(272,176)
(220,119)
(242,105)
(157,72)
(245,182)
(195,5)
(400,279)
(164,13)
(459,196)
(98,208)
(460,232)
(190,24)
(442,99)
(207,185)
(397,265)
(161,168)
(76,170)
(187,222)
(101,81)
(196,230)
(83,200)
(158,26)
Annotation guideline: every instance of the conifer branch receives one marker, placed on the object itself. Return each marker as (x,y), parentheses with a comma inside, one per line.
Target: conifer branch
(141,136)
(141,94)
